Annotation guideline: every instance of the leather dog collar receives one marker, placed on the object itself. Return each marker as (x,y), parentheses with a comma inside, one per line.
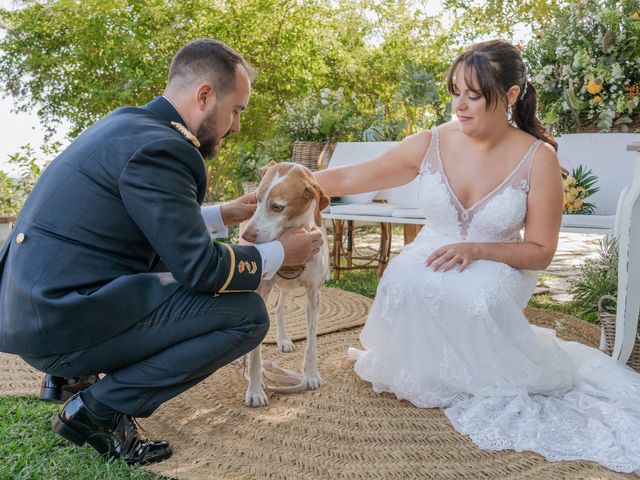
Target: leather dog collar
(290,273)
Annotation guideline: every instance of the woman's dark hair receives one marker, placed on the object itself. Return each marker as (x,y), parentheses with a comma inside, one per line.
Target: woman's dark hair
(498,66)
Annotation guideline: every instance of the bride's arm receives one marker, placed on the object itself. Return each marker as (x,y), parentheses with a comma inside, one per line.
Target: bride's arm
(542,225)
(397,166)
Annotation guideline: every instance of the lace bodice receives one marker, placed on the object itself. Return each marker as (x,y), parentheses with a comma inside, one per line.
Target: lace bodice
(497,217)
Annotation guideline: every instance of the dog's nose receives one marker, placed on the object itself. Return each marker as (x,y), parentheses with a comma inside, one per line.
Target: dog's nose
(249,236)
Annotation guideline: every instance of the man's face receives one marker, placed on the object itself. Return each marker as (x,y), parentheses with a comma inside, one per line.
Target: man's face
(223,116)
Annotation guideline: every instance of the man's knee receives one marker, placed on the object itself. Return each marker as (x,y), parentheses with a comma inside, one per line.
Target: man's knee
(257,315)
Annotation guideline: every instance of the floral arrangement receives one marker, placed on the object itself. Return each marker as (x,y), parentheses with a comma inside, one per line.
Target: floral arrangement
(586,67)
(325,116)
(578,186)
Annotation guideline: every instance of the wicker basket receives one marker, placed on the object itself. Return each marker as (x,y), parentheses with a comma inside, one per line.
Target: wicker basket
(608,322)
(307,154)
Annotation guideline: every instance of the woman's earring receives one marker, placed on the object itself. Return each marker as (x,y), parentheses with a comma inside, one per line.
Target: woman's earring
(509,113)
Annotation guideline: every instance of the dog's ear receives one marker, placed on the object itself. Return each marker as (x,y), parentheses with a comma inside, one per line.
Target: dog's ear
(265,168)
(321,198)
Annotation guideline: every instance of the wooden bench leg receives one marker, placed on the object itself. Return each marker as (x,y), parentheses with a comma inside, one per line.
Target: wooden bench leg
(385,248)
(410,232)
(337,248)
(349,251)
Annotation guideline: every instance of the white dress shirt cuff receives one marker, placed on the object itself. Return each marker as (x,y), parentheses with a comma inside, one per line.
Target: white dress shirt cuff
(272,255)
(213,220)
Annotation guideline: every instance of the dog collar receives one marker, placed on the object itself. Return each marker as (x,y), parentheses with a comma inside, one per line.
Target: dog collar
(289,273)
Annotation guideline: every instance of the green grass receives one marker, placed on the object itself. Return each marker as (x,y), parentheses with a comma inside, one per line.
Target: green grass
(363,282)
(545,301)
(29,449)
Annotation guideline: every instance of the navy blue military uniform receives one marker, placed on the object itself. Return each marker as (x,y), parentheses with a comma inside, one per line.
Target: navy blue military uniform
(79,290)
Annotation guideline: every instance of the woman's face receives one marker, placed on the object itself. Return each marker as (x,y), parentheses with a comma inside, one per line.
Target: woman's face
(470,106)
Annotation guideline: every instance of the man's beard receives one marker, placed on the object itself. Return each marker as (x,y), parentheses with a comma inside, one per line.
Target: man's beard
(208,137)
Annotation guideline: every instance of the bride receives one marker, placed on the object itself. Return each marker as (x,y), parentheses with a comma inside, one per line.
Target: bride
(447,327)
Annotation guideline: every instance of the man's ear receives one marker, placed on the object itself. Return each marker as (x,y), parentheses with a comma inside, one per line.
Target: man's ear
(263,170)
(205,94)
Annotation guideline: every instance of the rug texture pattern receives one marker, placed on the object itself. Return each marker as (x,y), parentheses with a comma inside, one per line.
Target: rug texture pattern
(342,430)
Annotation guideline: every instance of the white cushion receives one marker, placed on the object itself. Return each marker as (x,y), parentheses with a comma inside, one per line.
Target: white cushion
(597,221)
(408,213)
(362,209)
(359,198)
(606,155)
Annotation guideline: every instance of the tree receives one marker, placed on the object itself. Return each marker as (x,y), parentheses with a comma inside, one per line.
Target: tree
(80,60)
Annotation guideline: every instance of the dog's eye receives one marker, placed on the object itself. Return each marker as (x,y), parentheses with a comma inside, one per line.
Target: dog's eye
(277,208)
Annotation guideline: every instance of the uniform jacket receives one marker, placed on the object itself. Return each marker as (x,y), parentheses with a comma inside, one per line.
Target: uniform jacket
(79,264)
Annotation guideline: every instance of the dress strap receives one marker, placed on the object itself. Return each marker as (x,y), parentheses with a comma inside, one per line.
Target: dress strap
(529,160)
(429,157)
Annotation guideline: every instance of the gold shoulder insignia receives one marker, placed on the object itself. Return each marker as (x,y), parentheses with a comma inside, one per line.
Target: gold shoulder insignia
(254,268)
(186,133)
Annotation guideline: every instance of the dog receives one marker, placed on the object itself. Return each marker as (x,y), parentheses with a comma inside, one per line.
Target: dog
(288,196)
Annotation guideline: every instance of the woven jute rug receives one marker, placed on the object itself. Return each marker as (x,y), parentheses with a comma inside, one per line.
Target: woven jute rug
(339,310)
(341,430)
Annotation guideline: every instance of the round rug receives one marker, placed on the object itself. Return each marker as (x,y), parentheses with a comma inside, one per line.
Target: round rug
(342,430)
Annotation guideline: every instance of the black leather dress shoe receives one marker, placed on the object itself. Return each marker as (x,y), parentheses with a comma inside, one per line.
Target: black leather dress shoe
(60,389)
(115,437)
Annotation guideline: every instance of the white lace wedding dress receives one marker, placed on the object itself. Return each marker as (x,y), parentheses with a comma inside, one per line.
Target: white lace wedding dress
(460,340)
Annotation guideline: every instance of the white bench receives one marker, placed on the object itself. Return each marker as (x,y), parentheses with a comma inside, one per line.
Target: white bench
(605,155)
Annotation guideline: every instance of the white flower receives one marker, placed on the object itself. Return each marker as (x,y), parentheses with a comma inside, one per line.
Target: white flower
(548,69)
(616,71)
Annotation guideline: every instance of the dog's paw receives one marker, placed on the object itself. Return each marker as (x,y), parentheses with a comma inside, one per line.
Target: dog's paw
(256,399)
(285,345)
(312,382)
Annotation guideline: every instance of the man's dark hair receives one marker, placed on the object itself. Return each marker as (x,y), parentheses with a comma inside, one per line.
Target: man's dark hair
(211,59)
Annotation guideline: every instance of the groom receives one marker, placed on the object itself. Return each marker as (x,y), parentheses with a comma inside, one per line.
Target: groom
(80,287)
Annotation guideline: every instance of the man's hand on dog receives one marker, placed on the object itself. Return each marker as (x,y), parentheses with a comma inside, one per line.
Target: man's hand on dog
(239,210)
(300,245)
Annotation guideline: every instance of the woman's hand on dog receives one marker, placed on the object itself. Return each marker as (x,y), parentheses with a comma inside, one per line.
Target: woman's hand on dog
(239,210)
(300,245)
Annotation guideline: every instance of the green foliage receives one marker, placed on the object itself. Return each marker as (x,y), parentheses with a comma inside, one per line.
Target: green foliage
(10,202)
(415,105)
(249,157)
(31,450)
(14,191)
(325,116)
(586,66)
(80,60)
(597,277)
(498,18)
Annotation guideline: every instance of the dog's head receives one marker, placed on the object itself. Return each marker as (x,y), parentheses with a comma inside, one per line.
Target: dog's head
(288,196)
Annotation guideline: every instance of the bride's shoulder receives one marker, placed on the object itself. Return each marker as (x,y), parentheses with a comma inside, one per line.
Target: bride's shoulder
(545,165)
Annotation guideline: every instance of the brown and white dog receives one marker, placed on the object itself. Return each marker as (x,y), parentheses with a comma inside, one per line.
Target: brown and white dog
(289,196)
